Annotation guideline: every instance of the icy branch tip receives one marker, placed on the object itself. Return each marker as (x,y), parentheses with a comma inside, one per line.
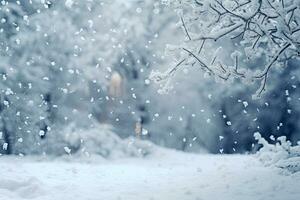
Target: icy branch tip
(157,76)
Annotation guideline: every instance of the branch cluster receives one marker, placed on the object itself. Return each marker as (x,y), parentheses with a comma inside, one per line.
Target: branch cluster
(267,30)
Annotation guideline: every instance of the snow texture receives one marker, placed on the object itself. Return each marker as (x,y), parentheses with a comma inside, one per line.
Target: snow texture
(163,175)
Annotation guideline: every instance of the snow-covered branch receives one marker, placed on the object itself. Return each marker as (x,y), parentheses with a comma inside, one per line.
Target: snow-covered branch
(266,33)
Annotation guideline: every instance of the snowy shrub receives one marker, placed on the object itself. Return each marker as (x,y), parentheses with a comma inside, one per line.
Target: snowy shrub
(96,140)
(281,154)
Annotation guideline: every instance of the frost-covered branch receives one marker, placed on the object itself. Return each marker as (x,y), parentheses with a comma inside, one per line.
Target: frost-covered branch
(267,33)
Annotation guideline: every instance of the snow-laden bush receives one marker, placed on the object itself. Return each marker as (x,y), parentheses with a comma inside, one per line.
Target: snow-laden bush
(281,154)
(97,140)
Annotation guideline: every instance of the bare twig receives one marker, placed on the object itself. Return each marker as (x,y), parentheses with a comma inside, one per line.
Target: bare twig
(185,29)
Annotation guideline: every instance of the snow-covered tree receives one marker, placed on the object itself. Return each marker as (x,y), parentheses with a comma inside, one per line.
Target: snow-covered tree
(40,86)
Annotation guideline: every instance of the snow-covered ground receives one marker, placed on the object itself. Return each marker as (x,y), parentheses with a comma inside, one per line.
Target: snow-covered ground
(166,175)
